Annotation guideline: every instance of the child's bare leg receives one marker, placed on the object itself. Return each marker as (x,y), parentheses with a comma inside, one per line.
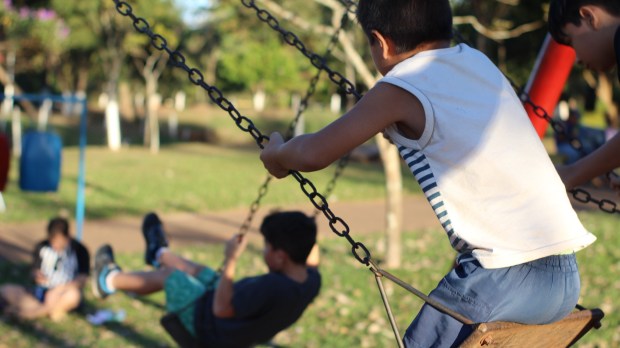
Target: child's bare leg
(62,299)
(21,303)
(169,259)
(141,283)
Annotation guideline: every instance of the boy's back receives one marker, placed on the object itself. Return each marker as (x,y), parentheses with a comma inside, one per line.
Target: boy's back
(480,163)
(265,305)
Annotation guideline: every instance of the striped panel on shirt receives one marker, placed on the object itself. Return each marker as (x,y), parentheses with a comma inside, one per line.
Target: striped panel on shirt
(421,170)
(59,268)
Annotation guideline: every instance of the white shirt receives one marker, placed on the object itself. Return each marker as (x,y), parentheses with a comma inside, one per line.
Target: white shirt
(481,164)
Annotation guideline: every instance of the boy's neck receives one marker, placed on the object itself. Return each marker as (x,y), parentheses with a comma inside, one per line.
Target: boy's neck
(424,46)
(297,273)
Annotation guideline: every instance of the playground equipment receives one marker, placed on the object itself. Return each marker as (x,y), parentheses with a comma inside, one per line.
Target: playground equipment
(551,70)
(40,162)
(485,334)
(44,147)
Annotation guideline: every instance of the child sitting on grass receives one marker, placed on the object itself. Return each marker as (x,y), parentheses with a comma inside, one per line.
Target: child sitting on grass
(61,266)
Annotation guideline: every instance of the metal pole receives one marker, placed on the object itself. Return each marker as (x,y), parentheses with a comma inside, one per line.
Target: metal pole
(388,309)
(438,306)
(80,201)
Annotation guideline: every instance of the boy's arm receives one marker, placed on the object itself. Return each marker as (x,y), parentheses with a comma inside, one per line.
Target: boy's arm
(314,258)
(83,264)
(603,160)
(222,298)
(383,105)
(80,280)
(38,276)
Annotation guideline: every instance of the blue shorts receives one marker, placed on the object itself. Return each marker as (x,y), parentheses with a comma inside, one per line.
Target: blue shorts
(39,293)
(536,292)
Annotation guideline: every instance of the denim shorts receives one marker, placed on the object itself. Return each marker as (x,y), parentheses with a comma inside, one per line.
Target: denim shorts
(536,292)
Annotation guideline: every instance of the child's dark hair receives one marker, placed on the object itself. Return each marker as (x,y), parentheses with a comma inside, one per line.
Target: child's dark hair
(562,12)
(407,23)
(58,225)
(292,232)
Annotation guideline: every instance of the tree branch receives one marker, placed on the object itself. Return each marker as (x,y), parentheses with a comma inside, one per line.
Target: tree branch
(498,35)
(297,21)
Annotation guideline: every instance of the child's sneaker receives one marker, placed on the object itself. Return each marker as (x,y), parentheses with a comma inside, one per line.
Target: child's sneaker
(155,238)
(104,265)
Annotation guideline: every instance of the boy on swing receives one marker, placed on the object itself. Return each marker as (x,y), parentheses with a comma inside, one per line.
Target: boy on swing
(213,308)
(465,136)
(592,28)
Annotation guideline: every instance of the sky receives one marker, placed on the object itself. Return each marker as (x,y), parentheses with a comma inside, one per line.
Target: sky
(190,9)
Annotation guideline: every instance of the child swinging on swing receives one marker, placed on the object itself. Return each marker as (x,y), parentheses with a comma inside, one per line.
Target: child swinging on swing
(213,308)
(466,138)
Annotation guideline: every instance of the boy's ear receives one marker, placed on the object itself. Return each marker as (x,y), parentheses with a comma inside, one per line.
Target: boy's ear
(588,17)
(281,255)
(387,46)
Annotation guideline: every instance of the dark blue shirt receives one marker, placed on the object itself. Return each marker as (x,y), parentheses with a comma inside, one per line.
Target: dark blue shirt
(264,305)
(617,49)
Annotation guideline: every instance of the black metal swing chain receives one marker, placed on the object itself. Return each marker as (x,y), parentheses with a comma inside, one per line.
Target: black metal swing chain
(581,195)
(350,5)
(177,59)
(303,105)
(290,38)
(318,62)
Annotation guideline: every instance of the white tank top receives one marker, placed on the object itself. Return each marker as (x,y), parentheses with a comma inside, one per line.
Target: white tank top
(480,163)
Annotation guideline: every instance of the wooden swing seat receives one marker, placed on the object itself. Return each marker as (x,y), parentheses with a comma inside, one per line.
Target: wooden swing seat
(562,333)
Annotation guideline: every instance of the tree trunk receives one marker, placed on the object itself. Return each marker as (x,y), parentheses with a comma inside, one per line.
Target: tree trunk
(604,92)
(112,113)
(259,99)
(28,107)
(151,137)
(394,201)
(113,124)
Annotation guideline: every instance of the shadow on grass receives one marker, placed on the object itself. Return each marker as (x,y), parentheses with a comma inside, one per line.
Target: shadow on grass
(12,251)
(149,302)
(37,332)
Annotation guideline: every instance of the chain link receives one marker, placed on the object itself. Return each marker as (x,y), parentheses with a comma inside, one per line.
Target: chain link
(303,105)
(317,61)
(262,191)
(580,195)
(290,38)
(195,76)
(360,252)
(350,5)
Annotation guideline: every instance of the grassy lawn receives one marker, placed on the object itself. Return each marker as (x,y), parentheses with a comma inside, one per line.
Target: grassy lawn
(347,313)
(188,177)
(195,177)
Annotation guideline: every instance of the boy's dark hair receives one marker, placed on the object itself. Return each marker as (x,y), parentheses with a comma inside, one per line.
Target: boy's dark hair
(58,225)
(292,232)
(562,12)
(407,23)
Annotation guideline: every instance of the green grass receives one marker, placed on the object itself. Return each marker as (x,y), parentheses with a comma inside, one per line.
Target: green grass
(348,311)
(182,177)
